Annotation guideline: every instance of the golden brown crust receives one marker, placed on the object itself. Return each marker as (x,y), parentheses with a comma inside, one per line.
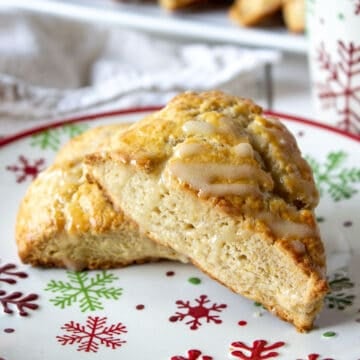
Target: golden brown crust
(90,141)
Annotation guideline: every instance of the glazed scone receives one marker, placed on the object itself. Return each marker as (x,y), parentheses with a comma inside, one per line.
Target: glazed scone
(249,13)
(214,179)
(64,221)
(294,15)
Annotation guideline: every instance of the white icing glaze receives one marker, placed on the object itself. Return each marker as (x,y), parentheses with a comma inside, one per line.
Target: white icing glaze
(92,221)
(285,228)
(194,127)
(273,120)
(243,150)
(185,149)
(202,177)
(229,189)
(72,264)
(298,246)
(226,126)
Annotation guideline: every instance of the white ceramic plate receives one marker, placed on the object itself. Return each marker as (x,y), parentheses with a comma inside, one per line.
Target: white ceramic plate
(210,25)
(168,310)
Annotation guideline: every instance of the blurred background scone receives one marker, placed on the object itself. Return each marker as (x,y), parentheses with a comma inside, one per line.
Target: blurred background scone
(178,4)
(294,15)
(251,13)
(290,13)
(257,12)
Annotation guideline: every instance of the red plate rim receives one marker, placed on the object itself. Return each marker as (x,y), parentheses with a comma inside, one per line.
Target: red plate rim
(10,139)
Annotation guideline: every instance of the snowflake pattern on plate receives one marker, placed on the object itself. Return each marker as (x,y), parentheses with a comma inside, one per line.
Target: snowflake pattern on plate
(332,177)
(9,275)
(192,354)
(12,301)
(52,138)
(315,357)
(257,351)
(197,311)
(339,297)
(26,169)
(85,290)
(337,90)
(88,337)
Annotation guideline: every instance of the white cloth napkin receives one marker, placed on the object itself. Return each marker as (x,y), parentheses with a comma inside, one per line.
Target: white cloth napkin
(52,67)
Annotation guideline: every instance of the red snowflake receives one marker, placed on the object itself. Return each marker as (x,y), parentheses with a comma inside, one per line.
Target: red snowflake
(338,89)
(193,355)
(8,270)
(25,169)
(258,350)
(21,302)
(93,334)
(314,357)
(8,301)
(197,311)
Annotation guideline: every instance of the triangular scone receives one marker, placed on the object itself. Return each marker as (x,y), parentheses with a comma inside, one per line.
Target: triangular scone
(65,221)
(214,179)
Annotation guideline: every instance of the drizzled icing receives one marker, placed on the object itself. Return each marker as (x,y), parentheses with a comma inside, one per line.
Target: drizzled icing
(243,150)
(186,149)
(298,246)
(193,127)
(282,228)
(225,126)
(203,177)
(217,179)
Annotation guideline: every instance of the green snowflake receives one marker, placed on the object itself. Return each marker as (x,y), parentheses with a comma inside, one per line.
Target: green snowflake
(85,290)
(337,298)
(333,178)
(339,301)
(51,138)
(340,282)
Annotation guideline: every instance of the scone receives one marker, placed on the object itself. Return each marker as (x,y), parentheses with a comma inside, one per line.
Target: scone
(65,221)
(294,15)
(249,13)
(214,179)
